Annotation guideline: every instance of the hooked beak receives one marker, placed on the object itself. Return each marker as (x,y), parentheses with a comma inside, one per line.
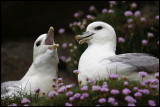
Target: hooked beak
(50,39)
(86,36)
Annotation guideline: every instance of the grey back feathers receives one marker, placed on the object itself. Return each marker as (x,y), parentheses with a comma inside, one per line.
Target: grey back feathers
(142,61)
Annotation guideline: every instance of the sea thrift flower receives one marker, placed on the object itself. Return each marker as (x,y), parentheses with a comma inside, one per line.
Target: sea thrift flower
(151,103)
(96,88)
(102,100)
(150,35)
(104,85)
(115,103)
(130,26)
(103,89)
(133,5)
(128,13)
(62,89)
(71,99)
(13,104)
(61,31)
(76,15)
(131,104)
(144,42)
(143,84)
(154,81)
(76,71)
(77,95)
(82,97)
(143,74)
(113,76)
(147,81)
(125,83)
(68,86)
(70,93)
(64,45)
(110,11)
(52,94)
(104,11)
(85,95)
(143,19)
(25,101)
(126,91)
(75,23)
(135,88)
(137,14)
(63,58)
(25,105)
(130,20)
(114,91)
(121,40)
(37,90)
(84,88)
(137,94)
(112,2)
(153,86)
(82,27)
(92,82)
(89,17)
(157,17)
(111,100)
(92,8)
(157,75)
(68,104)
(130,99)
(59,80)
(146,91)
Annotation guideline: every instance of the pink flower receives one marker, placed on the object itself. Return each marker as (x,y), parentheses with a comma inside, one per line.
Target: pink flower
(64,45)
(13,104)
(68,86)
(150,35)
(114,91)
(60,80)
(84,88)
(130,20)
(111,100)
(61,31)
(157,17)
(76,71)
(92,8)
(110,11)
(25,101)
(143,19)
(96,88)
(77,95)
(85,95)
(126,91)
(104,11)
(131,104)
(63,58)
(82,97)
(153,87)
(121,40)
(82,27)
(144,42)
(71,99)
(157,75)
(113,76)
(76,15)
(143,74)
(37,90)
(103,89)
(137,14)
(128,13)
(130,26)
(130,99)
(125,83)
(143,84)
(102,100)
(137,94)
(112,2)
(135,88)
(69,93)
(62,89)
(68,104)
(134,5)
(52,94)
(146,91)
(151,103)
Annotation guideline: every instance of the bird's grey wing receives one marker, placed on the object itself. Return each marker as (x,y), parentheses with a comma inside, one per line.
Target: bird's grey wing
(7,84)
(141,61)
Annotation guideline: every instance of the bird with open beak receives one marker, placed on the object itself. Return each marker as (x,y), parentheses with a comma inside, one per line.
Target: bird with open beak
(44,67)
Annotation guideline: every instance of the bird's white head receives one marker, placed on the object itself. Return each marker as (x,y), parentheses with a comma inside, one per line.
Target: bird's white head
(45,48)
(98,33)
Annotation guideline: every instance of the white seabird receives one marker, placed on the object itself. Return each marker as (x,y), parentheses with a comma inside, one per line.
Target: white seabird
(42,70)
(99,59)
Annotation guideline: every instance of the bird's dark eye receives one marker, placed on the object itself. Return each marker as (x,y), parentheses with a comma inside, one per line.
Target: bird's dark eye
(98,28)
(38,43)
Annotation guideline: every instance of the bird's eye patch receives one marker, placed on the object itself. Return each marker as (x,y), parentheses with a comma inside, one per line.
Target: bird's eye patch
(98,28)
(38,43)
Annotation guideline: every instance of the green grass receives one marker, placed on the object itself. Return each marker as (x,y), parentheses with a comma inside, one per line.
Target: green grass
(61,99)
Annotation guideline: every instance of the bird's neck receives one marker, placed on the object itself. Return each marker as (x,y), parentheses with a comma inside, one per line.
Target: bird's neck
(97,52)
